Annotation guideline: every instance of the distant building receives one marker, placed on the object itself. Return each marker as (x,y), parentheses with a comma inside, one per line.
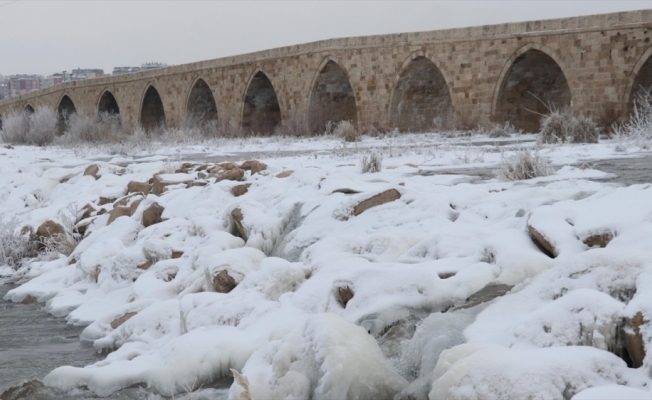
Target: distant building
(80,74)
(143,67)
(16,85)
(49,81)
(125,70)
(152,65)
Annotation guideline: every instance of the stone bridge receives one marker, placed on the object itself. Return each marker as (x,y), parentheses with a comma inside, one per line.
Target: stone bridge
(469,77)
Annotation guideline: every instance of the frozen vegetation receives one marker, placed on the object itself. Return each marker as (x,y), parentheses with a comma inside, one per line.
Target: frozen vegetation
(347,270)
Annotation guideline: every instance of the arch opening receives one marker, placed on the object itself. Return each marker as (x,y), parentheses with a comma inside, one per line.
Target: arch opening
(201,108)
(642,87)
(533,83)
(152,114)
(108,104)
(421,99)
(262,112)
(0,122)
(65,110)
(332,99)
(28,109)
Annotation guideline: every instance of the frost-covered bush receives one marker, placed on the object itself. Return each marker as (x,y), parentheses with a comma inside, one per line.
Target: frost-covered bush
(14,245)
(563,126)
(42,126)
(371,163)
(103,128)
(15,127)
(499,131)
(523,165)
(639,126)
(346,130)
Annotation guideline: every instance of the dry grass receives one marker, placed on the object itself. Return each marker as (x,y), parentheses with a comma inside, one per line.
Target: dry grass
(346,130)
(563,126)
(523,165)
(15,246)
(371,163)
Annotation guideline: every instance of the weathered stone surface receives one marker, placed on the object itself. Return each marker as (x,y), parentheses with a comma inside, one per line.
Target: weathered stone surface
(196,184)
(285,174)
(26,391)
(118,212)
(121,320)
(229,166)
(379,199)
(235,174)
(254,166)
(487,293)
(123,201)
(101,211)
(29,299)
(633,339)
(145,266)
(138,187)
(599,240)
(87,212)
(82,226)
(238,229)
(344,295)
(152,215)
(223,282)
(177,254)
(47,230)
(542,242)
(106,200)
(92,170)
(239,190)
(134,206)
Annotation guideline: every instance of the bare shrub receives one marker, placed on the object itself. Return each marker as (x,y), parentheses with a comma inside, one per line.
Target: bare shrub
(583,130)
(42,126)
(15,246)
(15,127)
(371,163)
(505,130)
(608,117)
(295,125)
(639,127)
(66,242)
(103,128)
(523,165)
(346,130)
(554,127)
(563,126)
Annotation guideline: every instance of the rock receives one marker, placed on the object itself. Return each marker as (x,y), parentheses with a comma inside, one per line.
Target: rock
(446,275)
(101,211)
(201,175)
(121,320)
(254,166)
(185,168)
(87,211)
(27,390)
(92,170)
(159,185)
(125,200)
(285,174)
(118,212)
(542,242)
(239,190)
(120,172)
(223,282)
(487,293)
(138,187)
(601,239)
(134,206)
(29,299)
(196,184)
(237,228)
(177,254)
(345,191)
(633,339)
(235,174)
(229,166)
(106,200)
(145,266)
(344,294)
(47,230)
(152,215)
(379,199)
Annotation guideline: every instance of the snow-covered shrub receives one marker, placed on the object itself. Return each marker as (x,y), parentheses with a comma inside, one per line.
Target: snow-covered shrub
(523,165)
(104,128)
(346,130)
(371,163)
(639,126)
(42,126)
(15,246)
(563,126)
(554,127)
(15,127)
(583,130)
(505,130)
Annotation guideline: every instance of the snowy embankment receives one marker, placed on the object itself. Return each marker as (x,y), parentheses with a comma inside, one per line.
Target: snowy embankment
(309,279)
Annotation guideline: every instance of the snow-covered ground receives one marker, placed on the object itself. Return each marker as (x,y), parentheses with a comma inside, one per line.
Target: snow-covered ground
(331,302)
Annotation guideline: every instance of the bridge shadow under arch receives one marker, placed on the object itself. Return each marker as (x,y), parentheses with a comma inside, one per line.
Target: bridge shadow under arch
(152,114)
(28,109)
(108,104)
(641,90)
(201,108)
(261,113)
(331,99)
(533,84)
(65,110)
(421,95)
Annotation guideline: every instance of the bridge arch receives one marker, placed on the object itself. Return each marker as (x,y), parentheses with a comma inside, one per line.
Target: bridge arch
(331,96)
(261,111)
(0,122)
(421,94)
(108,104)
(531,80)
(201,107)
(65,110)
(640,80)
(28,109)
(152,114)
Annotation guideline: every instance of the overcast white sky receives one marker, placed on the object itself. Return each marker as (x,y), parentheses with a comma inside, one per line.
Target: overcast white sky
(50,36)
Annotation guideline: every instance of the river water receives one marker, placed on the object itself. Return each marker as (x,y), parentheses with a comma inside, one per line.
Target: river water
(32,342)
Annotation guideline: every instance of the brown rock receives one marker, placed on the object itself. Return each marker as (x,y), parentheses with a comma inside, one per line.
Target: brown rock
(203,167)
(285,174)
(487,293)
(344,294)
(238,229)
(106,200)
(633,340)
(92,170)
(24,391)
(223,282)
(542,242)
(229,166)
(29,299)
(177,254)
(123,201)
(134,206)
(138,187)
(145,266)
(47,230)
(601,240)
(121,320)
(254,166)
(196,183)
(82,226)
(345,191)
(239,190)
(201,175)
(87,211)
(152,215)
(235,174)
(159,185)
(381,198)
(101,211)
(118,212)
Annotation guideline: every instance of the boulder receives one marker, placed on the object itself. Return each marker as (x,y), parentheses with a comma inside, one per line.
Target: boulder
(379,199)
(254,166)
(229,166)
(196,184)
(118,212)
(152,215)
(487,293)
(29,299)
(123,201)
(106,200)
(600,239)
(92,170)
(177,254)
(186,167)
(239,190)
(121,320)
(285,174)
(237,227)
(235,174)
(542,242)
(145,266)
(86,212)
(138,187)
(24,391)
(223,282)
(633,339)
(47,230)
(134,206)
(344,294)
(82,226)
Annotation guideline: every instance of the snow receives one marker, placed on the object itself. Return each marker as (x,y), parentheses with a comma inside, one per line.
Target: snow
(410,264)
